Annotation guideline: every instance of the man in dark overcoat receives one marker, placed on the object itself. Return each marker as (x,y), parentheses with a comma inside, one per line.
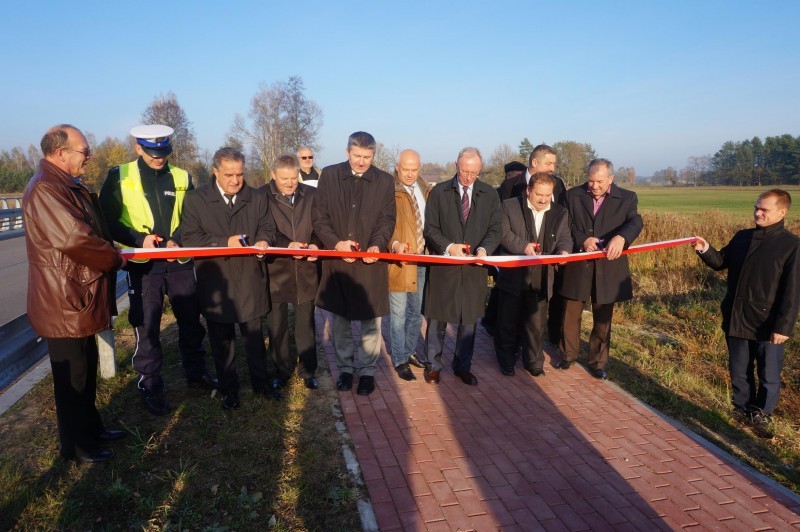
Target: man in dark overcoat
(602,217)
(532,225)
(462,216)
(292,280)
(232,290)
(760,308)
(354,209)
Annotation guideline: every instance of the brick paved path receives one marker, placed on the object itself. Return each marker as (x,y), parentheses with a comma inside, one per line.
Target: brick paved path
(563,452)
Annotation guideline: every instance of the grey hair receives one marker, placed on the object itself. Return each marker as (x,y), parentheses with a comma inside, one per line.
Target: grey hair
(361,139)
(229,154)
(600,162)
(469,151)
(287,161)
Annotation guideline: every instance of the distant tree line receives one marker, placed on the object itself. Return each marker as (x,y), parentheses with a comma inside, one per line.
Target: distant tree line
(281,120)
(774,161)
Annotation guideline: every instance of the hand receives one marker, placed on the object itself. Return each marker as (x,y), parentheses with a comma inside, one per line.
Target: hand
(309,258)
(481,253)
(457,250)
(297,245)
(563,253)
(124,260)
(261,244)
(151,241)
(235,241)
(701,245)
(615,247)
(370,260)
(531,249)
(346,245)
(400,247)
(172,244)
(591,244)
(778,338)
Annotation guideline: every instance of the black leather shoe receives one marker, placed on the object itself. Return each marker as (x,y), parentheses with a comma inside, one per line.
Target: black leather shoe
(230,402)
(405,373)
(204,382)
(599,373)
(275,392)
(366,385)
(110,435)
(563,364)
(536,372)
(101,455)
(508,372)
(311,383)
(155,402)
(414,360)
(468,378)
(345,382)
(431,375)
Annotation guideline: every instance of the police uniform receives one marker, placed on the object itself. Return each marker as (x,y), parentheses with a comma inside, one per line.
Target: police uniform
(138,201)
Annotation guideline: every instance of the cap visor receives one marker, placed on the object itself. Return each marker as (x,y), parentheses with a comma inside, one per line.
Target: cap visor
(157,153)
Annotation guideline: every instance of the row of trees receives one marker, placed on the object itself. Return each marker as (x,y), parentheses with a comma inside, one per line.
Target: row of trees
(753,162)
(281,119)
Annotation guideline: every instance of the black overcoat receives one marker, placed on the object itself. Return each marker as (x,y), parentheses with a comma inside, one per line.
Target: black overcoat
(457,294)
(229,289)
(517,225)
(362,209)
(292,280)
(763,282)
(618,215)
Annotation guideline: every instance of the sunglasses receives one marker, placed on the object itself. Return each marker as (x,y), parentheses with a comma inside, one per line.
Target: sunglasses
(307,157)
(86,153)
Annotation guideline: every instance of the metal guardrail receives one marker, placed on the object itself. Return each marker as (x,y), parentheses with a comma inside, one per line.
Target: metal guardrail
(11,224)
(21,348)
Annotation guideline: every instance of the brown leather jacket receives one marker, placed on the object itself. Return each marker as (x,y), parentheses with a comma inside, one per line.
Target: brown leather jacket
(70,257)
(403,277)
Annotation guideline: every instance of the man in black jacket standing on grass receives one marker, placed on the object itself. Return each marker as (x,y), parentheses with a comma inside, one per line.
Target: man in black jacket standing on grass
(760,309)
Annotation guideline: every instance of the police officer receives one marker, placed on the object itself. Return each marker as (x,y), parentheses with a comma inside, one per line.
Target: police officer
(142,202)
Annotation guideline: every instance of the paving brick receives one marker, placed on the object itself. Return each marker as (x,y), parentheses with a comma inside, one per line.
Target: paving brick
(428,508)
(431,472)
(498,512)
(444,493)
(412,522)
(417,484)
(394,477)
(570,519)
(509,497)
(456,517)
(439,526)
(386,515)
(470,502)
(482,522)
(378,491)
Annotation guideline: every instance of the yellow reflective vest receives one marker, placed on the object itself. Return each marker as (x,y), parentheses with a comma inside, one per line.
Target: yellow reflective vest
(136,212)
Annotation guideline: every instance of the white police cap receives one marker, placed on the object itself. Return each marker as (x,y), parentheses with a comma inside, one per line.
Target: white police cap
(154,139)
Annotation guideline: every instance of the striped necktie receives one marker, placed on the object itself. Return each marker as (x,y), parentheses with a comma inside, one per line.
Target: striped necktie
(418,216)
(465,204)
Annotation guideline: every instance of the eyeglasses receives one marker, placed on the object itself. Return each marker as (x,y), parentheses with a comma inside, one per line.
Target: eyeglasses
(469,174)
(307,157)
(86,153)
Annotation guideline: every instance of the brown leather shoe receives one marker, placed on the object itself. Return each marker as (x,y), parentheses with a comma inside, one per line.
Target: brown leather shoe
(468,378)
(431,376)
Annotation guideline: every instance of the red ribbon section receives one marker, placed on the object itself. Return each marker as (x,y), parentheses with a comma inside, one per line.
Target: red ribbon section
(500,261)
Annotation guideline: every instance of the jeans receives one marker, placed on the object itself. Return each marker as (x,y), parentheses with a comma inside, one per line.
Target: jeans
(405,311)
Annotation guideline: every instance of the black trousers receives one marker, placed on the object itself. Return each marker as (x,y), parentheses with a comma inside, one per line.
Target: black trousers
(146,295)
(748,358)
(74,364)
(222,337)
(465,345)
(555,312)
(304,339)
(531,308)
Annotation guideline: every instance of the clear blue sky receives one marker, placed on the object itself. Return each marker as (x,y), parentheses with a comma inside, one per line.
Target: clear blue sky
(647,84)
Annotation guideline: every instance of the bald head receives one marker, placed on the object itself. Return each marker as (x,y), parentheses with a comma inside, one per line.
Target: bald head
(408,166)
(66,147)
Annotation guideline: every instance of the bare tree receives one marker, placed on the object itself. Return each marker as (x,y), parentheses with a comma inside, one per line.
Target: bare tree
(281,119)
(385,157)
(167,111)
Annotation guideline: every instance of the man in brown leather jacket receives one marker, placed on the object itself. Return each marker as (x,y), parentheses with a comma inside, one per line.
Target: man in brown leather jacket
(71,265)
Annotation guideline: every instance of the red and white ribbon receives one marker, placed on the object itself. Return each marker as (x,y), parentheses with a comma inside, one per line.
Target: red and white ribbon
(500,261)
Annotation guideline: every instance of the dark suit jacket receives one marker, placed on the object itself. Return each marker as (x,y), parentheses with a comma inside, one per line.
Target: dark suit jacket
(617,216)
(292,280)
(517,225)
(511,188)
(229,289)
(457,294)
(363,210)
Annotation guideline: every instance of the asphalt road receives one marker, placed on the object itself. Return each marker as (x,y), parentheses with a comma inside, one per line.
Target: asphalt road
(13,279)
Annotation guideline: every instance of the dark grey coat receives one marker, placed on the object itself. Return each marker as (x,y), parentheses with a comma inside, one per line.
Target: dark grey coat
(617,216)
(763,294)
(517,225)
(457,294)
(292,280)
(229,289)
(363,210)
